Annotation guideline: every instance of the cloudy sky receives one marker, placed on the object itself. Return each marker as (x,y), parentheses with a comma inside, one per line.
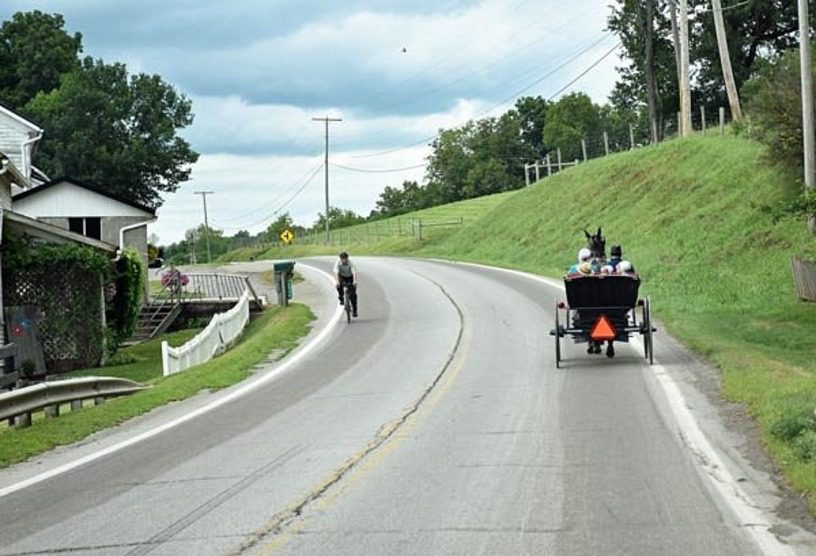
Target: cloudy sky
(258,71)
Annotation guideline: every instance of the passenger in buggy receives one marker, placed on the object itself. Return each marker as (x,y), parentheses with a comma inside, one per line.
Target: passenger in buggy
(617,262)
(584,255)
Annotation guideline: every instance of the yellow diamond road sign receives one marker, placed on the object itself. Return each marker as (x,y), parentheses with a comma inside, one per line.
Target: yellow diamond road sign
(287,236)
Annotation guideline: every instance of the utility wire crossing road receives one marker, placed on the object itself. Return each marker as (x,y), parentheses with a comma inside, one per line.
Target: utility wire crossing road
(436,423)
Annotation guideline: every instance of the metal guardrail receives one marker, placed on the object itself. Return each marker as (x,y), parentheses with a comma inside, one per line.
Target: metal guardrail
(218,336)
(25,400)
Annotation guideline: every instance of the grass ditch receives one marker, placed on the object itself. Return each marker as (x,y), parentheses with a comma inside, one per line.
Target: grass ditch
(275,330)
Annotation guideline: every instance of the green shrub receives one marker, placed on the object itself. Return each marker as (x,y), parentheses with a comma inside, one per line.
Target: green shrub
(805,446)
(774,103)
(796,417)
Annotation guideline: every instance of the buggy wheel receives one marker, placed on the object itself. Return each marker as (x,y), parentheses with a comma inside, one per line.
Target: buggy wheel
(557,340)
(648,342)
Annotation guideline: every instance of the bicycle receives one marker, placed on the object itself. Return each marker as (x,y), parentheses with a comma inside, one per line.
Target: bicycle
(347,302)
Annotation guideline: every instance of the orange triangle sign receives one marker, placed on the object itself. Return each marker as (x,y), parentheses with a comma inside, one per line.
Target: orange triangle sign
(603,330)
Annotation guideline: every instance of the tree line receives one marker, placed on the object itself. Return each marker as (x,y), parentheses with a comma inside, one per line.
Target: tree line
(103,125)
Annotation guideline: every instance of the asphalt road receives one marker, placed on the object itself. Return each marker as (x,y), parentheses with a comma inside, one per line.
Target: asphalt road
(434,424)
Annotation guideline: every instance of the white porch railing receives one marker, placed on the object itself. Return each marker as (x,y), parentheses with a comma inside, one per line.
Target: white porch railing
(219,335)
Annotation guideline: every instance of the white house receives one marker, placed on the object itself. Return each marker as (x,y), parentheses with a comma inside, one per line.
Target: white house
(18,140)
(88,211)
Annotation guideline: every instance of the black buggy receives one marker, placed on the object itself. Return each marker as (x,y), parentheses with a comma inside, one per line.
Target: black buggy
(603,308)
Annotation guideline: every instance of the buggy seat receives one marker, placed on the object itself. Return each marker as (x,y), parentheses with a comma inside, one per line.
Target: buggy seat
(601,290)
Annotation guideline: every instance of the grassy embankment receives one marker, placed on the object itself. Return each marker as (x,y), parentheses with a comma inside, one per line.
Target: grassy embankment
(689,215)
(277,330)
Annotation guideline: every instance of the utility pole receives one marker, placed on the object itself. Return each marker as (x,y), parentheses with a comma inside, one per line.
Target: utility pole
(725,62)
(685,86)
(807,103)
(326,121)
(206,221)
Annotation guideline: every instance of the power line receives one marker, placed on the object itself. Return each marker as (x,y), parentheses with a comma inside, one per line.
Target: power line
(586,71)
(265,207)
(282,206)
(498,104)
(381,171)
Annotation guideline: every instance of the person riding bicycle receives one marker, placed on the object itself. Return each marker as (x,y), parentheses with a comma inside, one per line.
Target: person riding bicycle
(345,274)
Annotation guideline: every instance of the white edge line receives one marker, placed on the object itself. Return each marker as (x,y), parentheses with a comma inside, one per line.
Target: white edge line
(748,514)
(237,393)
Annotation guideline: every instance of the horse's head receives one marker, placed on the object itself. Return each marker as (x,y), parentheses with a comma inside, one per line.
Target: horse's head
(597,244)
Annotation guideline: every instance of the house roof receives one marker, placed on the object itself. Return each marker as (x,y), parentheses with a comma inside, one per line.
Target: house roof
(19,119)
(93,188)
(49,232)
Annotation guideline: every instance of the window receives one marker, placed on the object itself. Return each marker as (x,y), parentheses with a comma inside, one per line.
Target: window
(93,227)
(89,226)
(76,225)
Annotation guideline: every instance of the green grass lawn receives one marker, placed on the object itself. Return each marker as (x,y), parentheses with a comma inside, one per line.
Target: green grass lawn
(689,215)
(277,330)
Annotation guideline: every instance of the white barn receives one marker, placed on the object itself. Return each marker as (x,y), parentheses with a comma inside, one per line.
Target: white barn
(88,211)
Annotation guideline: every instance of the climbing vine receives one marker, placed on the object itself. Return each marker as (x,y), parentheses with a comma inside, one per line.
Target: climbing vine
(123,310)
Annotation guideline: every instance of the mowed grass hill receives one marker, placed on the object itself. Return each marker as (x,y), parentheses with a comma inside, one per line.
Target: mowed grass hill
(689,214)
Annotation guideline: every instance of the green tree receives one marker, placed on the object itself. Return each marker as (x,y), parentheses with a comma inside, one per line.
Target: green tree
(532,114)
(629,20)
(774,102)
(338,218)
(275,228)
(572,118)
(117,131)
(35,51)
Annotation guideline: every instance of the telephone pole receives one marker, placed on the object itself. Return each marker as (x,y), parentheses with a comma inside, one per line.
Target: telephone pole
(685,86)
(725,61)
(206,221)
(326,121)
(807,103)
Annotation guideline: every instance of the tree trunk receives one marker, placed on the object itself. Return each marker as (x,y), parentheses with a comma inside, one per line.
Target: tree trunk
(725,62)
(653,98)
(675,37)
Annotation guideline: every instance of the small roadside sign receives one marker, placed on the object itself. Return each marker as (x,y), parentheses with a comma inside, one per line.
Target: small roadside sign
(287,236)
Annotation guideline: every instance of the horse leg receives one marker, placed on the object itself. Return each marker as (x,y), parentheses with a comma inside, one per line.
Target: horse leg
(610,349)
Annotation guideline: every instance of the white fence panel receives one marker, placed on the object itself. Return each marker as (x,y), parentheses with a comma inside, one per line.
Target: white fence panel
(219,335)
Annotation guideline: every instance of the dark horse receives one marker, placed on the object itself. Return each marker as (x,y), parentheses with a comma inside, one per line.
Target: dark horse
(596,243)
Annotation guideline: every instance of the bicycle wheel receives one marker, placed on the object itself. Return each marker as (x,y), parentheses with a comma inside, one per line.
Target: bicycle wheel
(347,307)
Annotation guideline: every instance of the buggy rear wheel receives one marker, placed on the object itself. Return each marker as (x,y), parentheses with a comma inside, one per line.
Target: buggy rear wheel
(648,342)
(557,340)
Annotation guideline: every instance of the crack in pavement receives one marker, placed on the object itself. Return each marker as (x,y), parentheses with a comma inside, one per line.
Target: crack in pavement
(179,525)
(280,521)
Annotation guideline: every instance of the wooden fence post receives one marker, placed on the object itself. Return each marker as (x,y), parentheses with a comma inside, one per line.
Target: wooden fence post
(632,136)
(606,143)
(549,165)
(526,174)
(560,167)
(584,149)
(537,174)
(703,118)
(722,121)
